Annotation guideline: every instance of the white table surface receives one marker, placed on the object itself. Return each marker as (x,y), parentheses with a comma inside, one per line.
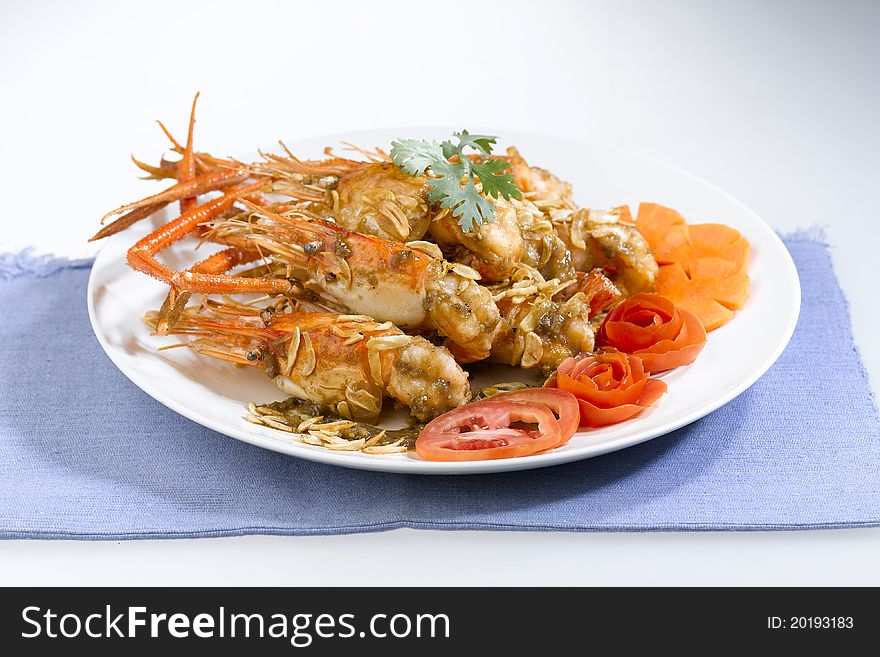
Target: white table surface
(775,102)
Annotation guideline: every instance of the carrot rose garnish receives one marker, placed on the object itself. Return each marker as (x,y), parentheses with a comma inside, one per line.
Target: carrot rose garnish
(651,327)
(610,386)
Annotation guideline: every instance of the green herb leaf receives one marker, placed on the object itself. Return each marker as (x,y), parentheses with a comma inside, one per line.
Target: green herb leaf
(468,206)
(448,181)
(414,156)
(494,183)
(477,142)
(452,184)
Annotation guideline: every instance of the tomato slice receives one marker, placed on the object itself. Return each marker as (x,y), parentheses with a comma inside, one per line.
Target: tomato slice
(563,404)
(482,431)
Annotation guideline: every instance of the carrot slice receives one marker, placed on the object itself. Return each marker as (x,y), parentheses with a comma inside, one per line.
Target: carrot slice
(711,313)
(736,252)
(713,233)
(671,277)
(665,230)
(655,215)
(696,296)
(731,292)
(625,216)
(710,267)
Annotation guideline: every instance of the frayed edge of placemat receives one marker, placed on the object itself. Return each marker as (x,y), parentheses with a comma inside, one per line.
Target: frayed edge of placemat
(817,233)
(27,264)
(370,528)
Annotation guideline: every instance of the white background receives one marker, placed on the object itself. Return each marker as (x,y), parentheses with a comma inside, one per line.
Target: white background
(776,102)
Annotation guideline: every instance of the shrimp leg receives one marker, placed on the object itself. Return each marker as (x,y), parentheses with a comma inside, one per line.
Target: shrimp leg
(186,169)
(127,220)
(207,182)
(218,263)
(142,256)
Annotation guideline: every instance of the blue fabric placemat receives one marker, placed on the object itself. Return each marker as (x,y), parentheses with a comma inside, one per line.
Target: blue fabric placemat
(85,454)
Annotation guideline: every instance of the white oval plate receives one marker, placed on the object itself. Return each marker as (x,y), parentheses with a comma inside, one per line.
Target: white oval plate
(215,394)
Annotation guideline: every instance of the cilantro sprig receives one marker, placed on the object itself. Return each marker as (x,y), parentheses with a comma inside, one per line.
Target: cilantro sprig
(453,184)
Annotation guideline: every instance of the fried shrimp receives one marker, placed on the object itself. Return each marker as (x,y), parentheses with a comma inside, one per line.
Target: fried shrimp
(372,276)
(493,249)
(519,234)
(591,238)
(540,186)
(540,327)
(345,363)
(544,249)
(375,197)
(597,238)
